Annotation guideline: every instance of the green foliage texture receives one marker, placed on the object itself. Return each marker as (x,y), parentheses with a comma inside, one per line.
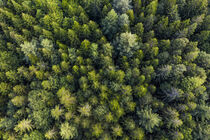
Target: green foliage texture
(104,69)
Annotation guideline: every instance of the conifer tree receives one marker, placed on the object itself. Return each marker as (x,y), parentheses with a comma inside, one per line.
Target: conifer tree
(109,24)
(121,6)
(68,131)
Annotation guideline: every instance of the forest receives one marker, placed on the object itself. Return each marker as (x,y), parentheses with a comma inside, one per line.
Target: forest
(104,69)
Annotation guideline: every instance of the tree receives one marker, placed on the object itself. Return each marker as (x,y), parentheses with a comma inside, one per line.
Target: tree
(164,72)
(57,112)
(83,18)
(7,123)
(162,26)
(117,131)
(17,6)
(109,24)
(18,101)
(66,98)
(2,3)
(176,135)
(138,134)
(179,43)
(93,7)
(47,47)
(48,34)
(137,6)
(56,69)
(126,44)
(42,118)
(203,59)
(51,134)
(151,8)
(85,110)
(194,8)
(123,20)
(174,122)
(93,51)
(97,130)
(172,94)
(8,60)
(30,21)
(100,112)
(73,38)
(76,27)
(129,124)
(26,6)
(85,31)
(131,16)
(148,22)
(139,29)
(121,6)
(190,83)
(34,135)
(170,8)
(65,66)
(29,48)
(68,131)
(148,119)
(12,76)
(23,126)
(19,89)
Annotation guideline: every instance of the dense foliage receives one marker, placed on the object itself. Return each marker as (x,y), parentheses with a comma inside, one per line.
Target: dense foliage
(104,69)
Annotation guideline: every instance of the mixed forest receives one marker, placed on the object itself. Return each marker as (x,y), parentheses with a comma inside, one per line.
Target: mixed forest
(104,69)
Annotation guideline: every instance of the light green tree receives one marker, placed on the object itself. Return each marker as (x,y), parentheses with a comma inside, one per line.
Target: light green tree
(97,130)
(68,131)
(57,112)
(126,44)
(85,110)
(24,126)
(117,131)
(30,47)
(122,6)
(19,101)
(51,134)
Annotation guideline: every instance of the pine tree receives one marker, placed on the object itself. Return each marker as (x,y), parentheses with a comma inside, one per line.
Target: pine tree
(117,131)
(121,6)
(57,112)
(51,134)
(30,47)
(68,131)
(34,135)
(148,119)
(97,130)
(85,110)
(109,24)
(23,126)
(126,44)
(18,101)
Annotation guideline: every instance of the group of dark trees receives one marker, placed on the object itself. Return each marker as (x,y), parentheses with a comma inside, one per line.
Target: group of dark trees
(104,69)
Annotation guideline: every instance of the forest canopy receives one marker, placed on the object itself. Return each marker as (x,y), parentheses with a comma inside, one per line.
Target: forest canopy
(104,69)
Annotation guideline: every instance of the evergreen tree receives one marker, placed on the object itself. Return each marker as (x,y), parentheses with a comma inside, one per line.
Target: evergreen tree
(68,131)
(109,24)
(122,6)
(23,126)
(126,44)
(148,119)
